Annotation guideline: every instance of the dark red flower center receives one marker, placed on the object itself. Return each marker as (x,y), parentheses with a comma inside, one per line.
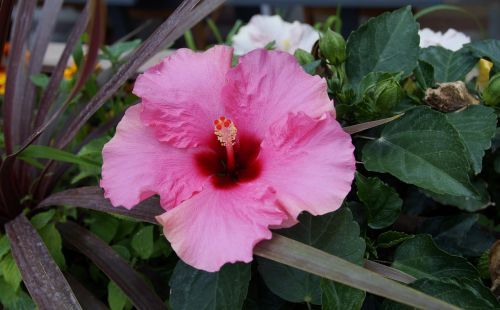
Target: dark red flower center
(227,172)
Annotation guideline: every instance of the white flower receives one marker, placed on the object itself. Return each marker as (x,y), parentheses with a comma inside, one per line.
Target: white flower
(261,30)
(451,39)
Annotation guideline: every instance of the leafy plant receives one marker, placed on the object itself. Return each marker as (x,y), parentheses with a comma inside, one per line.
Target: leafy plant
(420,170)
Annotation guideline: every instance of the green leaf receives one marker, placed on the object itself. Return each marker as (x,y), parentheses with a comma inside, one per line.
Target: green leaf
(10,271)
(78,50)
(421,258)
(200,290)
(311,67)
(471,204)
(46,152)
(41,80)
(236,27)
(13,299)
(270,46)
(93,152)
(189,39)
(126,228)
(215,31)
(52,239)
(4,245)
(486,49)
(476,125)
(336,296)
(382,201)
(8,293)
(459,234)
(303,57)
(21,301)
(122,251)
(468,294)
(423,149)
(143,243)
(448,66)
(161,248)
(391,238)
(336,233)
(93,149)
(104,226)
(41,219)
(483,265)
(386,43)
(116,297)
(424,74)
(115,51)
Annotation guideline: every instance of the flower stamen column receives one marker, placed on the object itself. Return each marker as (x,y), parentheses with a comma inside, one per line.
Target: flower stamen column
(226,132)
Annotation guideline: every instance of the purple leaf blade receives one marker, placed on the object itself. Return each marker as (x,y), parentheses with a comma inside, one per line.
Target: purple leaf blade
(43,279)
(6,7)
(84,296)
(51,91)
(112,264)
(92,197)
(304,257)
(364,126)
(96,36)
(389,272)
(46,25)
(16,78)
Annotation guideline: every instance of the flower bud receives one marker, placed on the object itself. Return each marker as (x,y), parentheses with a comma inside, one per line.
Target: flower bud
(332,47)
(387,94)
(303,57)
(491,94)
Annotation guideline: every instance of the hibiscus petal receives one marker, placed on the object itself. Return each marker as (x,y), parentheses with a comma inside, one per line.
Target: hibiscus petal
(216,226)
(136,165)
(309,163)
(181,95)
(266,85)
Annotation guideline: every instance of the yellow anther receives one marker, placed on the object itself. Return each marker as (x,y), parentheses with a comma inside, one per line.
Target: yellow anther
(225,131)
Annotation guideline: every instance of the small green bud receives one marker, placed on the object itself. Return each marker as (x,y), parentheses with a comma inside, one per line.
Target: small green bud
(387,94)
(491,94)
(332,47)
(303,57)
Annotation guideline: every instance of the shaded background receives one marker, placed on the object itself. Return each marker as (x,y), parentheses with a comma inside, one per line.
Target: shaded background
(126,15)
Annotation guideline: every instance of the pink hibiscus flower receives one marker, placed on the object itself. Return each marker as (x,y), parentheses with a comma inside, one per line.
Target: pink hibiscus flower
(277,151)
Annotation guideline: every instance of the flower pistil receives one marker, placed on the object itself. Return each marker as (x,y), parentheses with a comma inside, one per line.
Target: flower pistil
(226,132)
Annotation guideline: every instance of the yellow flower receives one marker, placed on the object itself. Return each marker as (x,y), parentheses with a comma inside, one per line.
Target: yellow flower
(484,73)
(70,71)
(3,79)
